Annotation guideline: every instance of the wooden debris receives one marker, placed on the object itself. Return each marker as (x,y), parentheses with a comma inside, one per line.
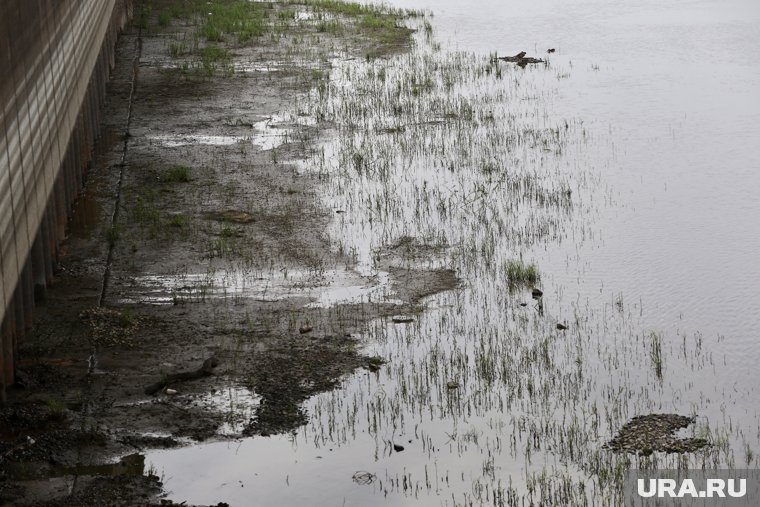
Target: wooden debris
(205,370)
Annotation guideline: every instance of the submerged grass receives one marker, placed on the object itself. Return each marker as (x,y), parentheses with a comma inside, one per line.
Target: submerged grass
(656,354)
(451,146)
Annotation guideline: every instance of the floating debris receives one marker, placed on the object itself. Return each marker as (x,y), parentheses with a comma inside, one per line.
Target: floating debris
(402,319)
(452,384)
(305,329)
(536,293)
(205,370)
(398,448)
(364,478)
(561,327)
(520,59)
(646,434)
(514,59)
(525,61)
(550,50)
(374,363)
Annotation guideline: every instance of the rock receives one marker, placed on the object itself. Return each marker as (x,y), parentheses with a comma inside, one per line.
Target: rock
(550,50)
(398,448)
(452,384)
(561,327)
(402,319)
(171,392)
(305,329)
(536,293)
(22,379)
(523,304)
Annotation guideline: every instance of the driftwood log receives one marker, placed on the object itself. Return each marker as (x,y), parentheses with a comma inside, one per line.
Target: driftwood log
(205,370)
(519,56)
(520,59)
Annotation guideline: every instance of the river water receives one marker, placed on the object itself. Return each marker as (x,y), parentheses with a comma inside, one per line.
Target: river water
(624,169)
(675,86)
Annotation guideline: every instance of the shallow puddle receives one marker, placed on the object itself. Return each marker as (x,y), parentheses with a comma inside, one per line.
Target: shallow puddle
(174,141)
(267,134)
(318,290)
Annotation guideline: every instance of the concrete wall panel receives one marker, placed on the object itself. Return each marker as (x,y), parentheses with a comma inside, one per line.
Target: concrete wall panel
(52,54)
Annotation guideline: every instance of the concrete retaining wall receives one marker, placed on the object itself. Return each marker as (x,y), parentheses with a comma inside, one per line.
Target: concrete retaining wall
(55,59)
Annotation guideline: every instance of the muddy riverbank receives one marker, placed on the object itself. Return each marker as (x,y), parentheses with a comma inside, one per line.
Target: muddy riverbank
(363,265)
(198,237)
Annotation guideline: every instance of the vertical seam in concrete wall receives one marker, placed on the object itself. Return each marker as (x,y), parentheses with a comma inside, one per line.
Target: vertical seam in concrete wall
(12,139)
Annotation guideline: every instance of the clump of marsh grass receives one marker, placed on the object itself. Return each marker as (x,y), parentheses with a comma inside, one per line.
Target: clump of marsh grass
(520,273)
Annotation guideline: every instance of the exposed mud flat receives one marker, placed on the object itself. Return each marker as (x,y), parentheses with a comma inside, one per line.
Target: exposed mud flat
(218,247)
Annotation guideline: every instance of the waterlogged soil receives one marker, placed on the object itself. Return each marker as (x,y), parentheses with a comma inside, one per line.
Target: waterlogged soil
(196,238)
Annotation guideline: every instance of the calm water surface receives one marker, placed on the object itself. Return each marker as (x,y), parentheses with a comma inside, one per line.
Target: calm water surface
(677,89)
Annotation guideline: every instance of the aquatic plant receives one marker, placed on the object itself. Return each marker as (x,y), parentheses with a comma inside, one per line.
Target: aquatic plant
(520,273)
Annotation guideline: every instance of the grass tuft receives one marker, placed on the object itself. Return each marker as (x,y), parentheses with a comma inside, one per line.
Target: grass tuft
(177,174)
(519,273)
(656,355)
